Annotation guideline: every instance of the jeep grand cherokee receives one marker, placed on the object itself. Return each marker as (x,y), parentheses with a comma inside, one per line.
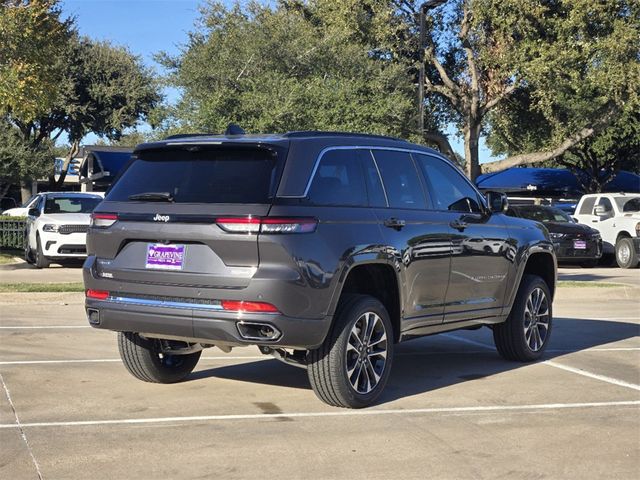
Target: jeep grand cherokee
(323,249)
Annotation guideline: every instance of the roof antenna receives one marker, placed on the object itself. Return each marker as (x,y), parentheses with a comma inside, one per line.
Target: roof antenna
(234,129)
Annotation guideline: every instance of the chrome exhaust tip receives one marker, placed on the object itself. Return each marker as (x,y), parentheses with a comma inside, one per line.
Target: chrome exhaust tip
(258,331)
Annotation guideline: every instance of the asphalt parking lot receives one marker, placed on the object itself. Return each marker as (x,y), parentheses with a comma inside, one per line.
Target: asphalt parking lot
(453,408)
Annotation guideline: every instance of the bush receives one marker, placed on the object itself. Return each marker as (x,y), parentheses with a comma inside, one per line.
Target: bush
(13,232)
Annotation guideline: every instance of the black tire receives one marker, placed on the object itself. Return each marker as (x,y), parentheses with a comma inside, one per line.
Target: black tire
(141,356)
(625,253)
(510,337)
(41,261)
(327,365)
(28,254)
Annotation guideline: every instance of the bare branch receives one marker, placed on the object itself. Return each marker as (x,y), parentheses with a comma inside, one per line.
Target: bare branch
(446,80)
(471,61)
(566,144)
(444,91)
(498,98)
(245,67)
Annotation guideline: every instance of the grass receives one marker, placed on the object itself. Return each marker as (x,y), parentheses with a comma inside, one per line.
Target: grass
(590,284)
(41,287)
(8,256)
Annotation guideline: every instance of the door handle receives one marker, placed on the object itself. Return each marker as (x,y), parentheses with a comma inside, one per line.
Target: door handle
(459,225)
(395,223)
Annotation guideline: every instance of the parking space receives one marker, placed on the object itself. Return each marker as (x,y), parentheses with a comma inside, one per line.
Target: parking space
(452,409)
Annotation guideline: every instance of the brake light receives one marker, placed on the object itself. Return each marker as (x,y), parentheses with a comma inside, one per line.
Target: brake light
(267,224)
(97,294)
(103,220)
(239,224)
(251,307)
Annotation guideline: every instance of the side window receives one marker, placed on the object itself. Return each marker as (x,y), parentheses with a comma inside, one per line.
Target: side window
(448,188)
(606,203)
(587,206)
(339,180)
(400,179)
(377,196)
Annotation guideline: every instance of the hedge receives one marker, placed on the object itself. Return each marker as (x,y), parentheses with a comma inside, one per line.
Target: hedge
(12,232)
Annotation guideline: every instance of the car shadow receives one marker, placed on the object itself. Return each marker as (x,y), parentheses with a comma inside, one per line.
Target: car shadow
(436,362)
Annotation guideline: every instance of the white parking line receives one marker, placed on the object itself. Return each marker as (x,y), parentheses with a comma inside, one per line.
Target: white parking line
(578,371)
(20,427)
(584,373)
(336,413)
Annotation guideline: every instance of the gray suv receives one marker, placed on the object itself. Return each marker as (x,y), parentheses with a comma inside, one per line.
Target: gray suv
(323,249)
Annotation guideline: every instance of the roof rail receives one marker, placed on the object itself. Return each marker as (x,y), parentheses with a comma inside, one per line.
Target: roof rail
(185,135)
(319,133)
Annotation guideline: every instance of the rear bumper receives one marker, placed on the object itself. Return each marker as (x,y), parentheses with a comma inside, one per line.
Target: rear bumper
(204,326)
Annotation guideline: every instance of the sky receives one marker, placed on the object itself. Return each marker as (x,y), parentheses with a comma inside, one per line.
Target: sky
(147,27)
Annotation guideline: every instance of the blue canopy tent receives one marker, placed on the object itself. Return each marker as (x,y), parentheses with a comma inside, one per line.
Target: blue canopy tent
(549,182)
(101,165)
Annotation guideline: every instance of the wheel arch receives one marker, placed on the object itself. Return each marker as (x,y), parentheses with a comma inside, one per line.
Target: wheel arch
(377,279)
(539,260)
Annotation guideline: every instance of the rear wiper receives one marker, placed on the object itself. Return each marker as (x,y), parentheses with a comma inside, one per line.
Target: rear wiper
(153,196)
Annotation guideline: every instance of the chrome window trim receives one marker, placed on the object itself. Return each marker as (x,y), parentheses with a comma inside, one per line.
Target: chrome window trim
(384,189)
(377,147)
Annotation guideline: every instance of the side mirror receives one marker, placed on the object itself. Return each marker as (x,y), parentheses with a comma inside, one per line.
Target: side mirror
(498,202)
(34,212)
(600,211)
(575,220)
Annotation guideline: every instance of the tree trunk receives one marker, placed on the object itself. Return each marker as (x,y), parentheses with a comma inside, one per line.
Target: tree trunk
(471,139)
(25,190)
(57,183)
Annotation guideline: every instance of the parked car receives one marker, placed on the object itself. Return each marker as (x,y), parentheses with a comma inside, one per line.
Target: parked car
(23,210)
(573,242)
(57,225)
(617,217)
(323,249)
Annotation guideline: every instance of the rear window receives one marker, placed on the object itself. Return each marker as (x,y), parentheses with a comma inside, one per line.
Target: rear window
(240,175)
(71,204)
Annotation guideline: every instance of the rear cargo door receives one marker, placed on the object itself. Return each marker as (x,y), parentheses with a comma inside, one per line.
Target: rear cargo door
(186,217)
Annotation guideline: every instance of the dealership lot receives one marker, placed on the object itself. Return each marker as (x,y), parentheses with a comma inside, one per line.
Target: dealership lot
(453,408)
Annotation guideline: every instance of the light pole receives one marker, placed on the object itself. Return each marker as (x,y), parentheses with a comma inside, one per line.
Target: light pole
(423,40)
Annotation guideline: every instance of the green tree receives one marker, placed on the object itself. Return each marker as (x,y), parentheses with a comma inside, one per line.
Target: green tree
(286,67)
(33,41)
(53,82)
(579,89)
(19,160)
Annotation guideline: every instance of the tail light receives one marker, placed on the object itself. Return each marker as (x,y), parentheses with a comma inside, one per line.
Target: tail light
(97,294)
(250,307)
(103,220)
(267,224)
(239,225)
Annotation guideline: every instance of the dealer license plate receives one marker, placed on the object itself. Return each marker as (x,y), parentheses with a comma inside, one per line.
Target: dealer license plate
(165,257)
(579,245)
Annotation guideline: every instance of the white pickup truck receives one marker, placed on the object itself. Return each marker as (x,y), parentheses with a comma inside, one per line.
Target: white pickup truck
(617,217)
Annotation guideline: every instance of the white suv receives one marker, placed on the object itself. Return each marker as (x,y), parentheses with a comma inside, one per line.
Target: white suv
(57,227)
(617,217)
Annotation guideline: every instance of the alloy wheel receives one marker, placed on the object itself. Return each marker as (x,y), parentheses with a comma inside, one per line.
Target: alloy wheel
(366,353)
(536,319)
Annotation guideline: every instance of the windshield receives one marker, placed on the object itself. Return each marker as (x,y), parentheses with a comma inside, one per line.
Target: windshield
(626,204)
(71,204)
(544,214)
(222,175)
